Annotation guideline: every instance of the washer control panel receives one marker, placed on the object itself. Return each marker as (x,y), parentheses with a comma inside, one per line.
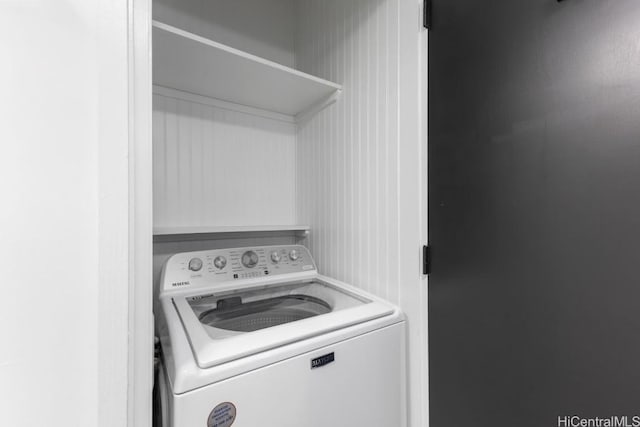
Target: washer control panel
(219,266)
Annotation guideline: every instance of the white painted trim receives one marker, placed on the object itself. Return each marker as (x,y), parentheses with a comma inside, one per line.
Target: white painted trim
(164,231)
(113,210)
(213,102)
(424,213)
(232,106)
(140,338)
(410,215)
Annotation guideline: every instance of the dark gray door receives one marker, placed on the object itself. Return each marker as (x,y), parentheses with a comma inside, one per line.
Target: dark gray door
(534,211)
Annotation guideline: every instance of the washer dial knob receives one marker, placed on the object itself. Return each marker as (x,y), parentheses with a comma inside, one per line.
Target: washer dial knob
(220,262)
(195,264)
(275,257)
(249,259)
(293,255)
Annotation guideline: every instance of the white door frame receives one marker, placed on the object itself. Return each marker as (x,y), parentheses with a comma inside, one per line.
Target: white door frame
(412,208)
(412,231)
(140,342)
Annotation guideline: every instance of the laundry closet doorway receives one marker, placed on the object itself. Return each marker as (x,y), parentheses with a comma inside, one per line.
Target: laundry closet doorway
(342,177)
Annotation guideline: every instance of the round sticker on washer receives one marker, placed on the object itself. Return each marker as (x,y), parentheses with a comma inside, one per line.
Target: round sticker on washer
(223,415)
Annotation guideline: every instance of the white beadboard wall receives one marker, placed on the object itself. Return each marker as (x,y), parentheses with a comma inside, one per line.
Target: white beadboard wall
(348,153)
(216,166)
(360,160)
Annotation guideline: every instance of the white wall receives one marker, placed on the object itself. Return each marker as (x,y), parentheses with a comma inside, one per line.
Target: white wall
(216,166)
(64,165)
(349,193)
(360,160)
(260,27)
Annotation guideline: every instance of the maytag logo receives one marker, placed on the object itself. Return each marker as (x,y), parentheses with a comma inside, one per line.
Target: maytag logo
(176,284)
(322,360)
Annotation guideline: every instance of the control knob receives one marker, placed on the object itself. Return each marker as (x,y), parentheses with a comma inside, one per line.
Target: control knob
(195,264)
(293,255)
(220,262)
(249,259)
(275,257)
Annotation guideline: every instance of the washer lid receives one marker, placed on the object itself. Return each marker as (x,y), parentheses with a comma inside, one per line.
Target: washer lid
(227,325)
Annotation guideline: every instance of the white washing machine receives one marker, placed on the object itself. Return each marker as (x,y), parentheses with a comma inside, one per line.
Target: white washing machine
(254,337)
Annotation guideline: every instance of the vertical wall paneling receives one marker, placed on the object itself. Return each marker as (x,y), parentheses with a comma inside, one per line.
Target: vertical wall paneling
(218,166)
(348,153)
(360,159)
